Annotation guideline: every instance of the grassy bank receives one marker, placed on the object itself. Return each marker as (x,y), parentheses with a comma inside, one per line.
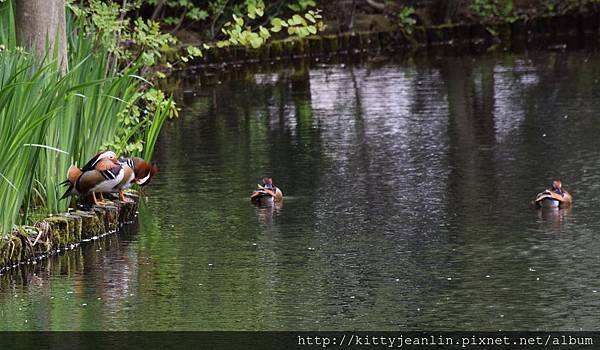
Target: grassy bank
(50,119)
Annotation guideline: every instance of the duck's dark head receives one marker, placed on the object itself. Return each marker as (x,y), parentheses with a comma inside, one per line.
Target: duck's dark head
(267,182)
(557,186)
(144,172)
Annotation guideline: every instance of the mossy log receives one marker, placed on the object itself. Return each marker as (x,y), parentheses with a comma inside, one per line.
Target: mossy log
(64,231)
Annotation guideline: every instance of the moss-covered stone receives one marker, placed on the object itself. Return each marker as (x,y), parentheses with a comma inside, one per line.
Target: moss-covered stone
(366,41)
(91,226)
(34,240)
(435,35)
(11,251)
(127,212)
(331,43)
(3,252)
(504,32)
(252,55)
(315,45)
(588,23)
(60,231)
(344,42)
(64,230)
(109,216)
(75,225)
(299,48)
(288,48)
(276,48)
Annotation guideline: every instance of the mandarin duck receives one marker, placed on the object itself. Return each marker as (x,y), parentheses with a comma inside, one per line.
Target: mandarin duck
(266,193)
(101,174)
(554,197)
(138,171)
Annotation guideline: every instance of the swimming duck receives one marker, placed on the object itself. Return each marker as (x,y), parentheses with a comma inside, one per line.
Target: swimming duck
(138,171)
(103,173)
(555,197)
(266,193)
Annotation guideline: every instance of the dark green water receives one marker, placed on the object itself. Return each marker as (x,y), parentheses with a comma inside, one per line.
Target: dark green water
(407,187)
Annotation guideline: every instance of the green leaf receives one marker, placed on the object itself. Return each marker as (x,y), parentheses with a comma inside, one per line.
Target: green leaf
(238,20)
(276,22)
(194,51)
(297,19)
(256,42)
(302,32)
(171,20)
(197,14)
(264,32)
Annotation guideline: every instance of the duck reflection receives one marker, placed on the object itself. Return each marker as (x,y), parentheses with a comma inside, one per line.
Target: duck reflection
(556,216)
(266,212)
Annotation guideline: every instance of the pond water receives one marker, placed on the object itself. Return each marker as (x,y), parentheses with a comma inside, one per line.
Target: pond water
(407,206)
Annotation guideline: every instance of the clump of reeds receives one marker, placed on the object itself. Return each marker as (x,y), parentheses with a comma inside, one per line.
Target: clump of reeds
(50,119)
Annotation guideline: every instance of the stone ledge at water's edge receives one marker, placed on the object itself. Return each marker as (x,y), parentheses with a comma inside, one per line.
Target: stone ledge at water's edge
(541,32)
(29,244)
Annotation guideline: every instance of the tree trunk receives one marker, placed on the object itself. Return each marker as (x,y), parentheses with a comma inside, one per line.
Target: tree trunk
(41,23)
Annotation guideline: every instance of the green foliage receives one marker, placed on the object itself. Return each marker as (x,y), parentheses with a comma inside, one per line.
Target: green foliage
(138,121)
(50,119)
(141,43)
(186,9)
(301,5)
(196,14)
(493,10)
(232,22)
(149,41)
(407,19)
(7,35)
(162,109)
(130,38)
(553,7)
(124,38)
(239,32)
(61,118)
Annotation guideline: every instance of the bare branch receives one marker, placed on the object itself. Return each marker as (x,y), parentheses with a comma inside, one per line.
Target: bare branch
(376,5)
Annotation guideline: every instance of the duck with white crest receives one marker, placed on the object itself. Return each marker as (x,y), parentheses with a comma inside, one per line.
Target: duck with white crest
(100,174)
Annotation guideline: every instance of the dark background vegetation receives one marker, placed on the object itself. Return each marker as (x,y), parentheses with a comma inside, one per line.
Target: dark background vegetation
(359,15)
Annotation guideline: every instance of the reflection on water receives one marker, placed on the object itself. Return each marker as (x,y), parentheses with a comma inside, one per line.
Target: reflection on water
(407,190)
